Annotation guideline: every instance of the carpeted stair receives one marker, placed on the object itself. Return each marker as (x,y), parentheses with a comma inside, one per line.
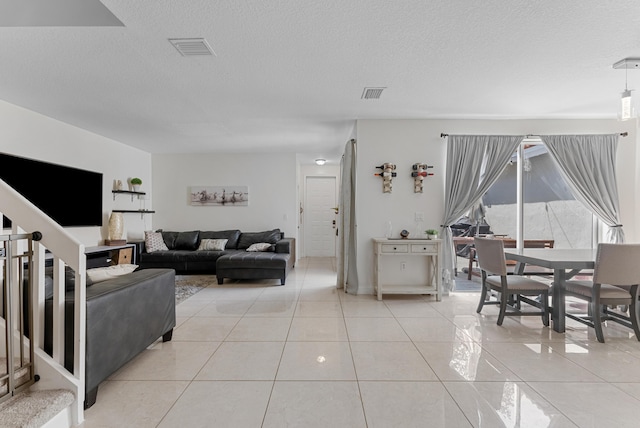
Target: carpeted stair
(30,408)
(34,408)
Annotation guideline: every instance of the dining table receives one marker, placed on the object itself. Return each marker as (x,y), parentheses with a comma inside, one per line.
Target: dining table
(565,264)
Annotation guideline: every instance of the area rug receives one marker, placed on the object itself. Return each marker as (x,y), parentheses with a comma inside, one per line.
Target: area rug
(188,285)
(463,285)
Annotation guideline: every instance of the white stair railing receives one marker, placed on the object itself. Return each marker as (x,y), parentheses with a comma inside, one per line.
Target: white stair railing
(65,250)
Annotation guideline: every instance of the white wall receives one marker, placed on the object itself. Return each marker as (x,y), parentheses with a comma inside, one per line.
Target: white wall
(32,135)
(405,142)
(272,191)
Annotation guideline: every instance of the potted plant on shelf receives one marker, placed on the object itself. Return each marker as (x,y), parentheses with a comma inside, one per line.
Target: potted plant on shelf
(135,183)
(431,234)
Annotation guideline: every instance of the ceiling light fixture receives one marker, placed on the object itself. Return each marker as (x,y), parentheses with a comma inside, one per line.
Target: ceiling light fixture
(626,108)
(321,161)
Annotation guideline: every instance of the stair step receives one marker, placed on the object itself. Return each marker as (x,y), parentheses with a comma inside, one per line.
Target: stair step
(34,408)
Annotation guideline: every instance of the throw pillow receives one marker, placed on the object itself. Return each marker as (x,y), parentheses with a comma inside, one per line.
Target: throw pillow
(104,273)
(260,246)
(231,235)
(153,242)
(248,238)
(212,244)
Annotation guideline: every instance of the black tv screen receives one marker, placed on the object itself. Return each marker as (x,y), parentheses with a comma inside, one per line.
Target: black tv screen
(70,196)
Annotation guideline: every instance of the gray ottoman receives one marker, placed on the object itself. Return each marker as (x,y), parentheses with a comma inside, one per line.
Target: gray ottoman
(253,265)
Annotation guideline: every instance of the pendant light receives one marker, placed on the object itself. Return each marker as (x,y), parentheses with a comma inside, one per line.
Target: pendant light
(627,110)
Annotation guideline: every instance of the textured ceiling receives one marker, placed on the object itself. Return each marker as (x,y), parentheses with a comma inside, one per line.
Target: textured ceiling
(287,75)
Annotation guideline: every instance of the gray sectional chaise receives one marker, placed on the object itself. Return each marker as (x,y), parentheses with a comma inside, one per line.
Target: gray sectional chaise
(234,262)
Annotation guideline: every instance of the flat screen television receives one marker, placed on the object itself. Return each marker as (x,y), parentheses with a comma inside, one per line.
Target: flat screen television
(70,196)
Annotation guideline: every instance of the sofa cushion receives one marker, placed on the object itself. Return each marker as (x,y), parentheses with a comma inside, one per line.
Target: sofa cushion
(153,241)
(230,235)
(181,256)
(69,280)
(104,273)
(187,240)
(268,236)
(261,246)
(169,239)
(212,244)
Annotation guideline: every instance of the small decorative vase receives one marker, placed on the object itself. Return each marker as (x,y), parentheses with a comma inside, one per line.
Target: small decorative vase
(136,187)
(432,236)
(116,226)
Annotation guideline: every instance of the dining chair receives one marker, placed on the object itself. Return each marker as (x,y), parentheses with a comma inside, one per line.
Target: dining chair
(513,289)
(616,280)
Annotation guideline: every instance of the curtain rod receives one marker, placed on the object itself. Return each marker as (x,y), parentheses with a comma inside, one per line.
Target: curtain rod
(622,134)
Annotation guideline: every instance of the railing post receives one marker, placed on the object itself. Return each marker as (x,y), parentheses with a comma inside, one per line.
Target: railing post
(8,313)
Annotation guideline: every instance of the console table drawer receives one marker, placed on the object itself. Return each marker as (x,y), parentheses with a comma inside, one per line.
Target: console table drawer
(397,248)
(424,248)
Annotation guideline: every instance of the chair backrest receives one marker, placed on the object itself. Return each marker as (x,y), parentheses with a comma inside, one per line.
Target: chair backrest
(617,264)
(491,255)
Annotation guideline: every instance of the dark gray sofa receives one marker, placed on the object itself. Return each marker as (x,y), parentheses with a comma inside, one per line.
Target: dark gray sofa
(124,316)
(234,262)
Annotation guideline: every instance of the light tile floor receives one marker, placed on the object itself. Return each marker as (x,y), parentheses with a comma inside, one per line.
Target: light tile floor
(254,354)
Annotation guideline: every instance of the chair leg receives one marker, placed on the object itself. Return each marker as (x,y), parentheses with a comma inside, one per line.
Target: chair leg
(504,297)
(483,296)
(633,312)
(545,308)
(597,319)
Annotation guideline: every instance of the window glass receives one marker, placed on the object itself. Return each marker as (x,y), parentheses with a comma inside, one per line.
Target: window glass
(550,210)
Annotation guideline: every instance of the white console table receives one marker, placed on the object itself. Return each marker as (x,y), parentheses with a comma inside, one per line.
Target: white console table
(407,266)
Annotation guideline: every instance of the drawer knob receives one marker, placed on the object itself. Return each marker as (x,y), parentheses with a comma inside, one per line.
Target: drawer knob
(424,248)
(394,248)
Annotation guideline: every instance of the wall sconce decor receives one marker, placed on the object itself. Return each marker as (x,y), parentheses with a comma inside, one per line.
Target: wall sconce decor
(387,175)
(419,173)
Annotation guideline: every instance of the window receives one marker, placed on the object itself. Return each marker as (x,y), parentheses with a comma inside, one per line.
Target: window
(549,209)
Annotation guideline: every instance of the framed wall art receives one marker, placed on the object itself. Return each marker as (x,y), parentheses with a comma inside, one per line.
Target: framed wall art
(219,195)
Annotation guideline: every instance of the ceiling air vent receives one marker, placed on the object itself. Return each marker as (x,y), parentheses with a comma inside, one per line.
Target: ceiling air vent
(372,93)
(192,47)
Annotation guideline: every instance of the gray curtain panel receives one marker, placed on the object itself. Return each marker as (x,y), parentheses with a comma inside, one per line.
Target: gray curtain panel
(588,164)
(347,269)
(474,163)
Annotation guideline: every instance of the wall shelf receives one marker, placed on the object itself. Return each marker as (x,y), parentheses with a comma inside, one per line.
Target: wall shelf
(126,192)
(141,212)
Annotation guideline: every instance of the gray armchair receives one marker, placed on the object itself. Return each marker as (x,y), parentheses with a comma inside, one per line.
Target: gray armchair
(615,282)
(513,289)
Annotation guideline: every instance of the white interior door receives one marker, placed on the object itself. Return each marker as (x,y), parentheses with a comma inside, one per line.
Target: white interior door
(319,218)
